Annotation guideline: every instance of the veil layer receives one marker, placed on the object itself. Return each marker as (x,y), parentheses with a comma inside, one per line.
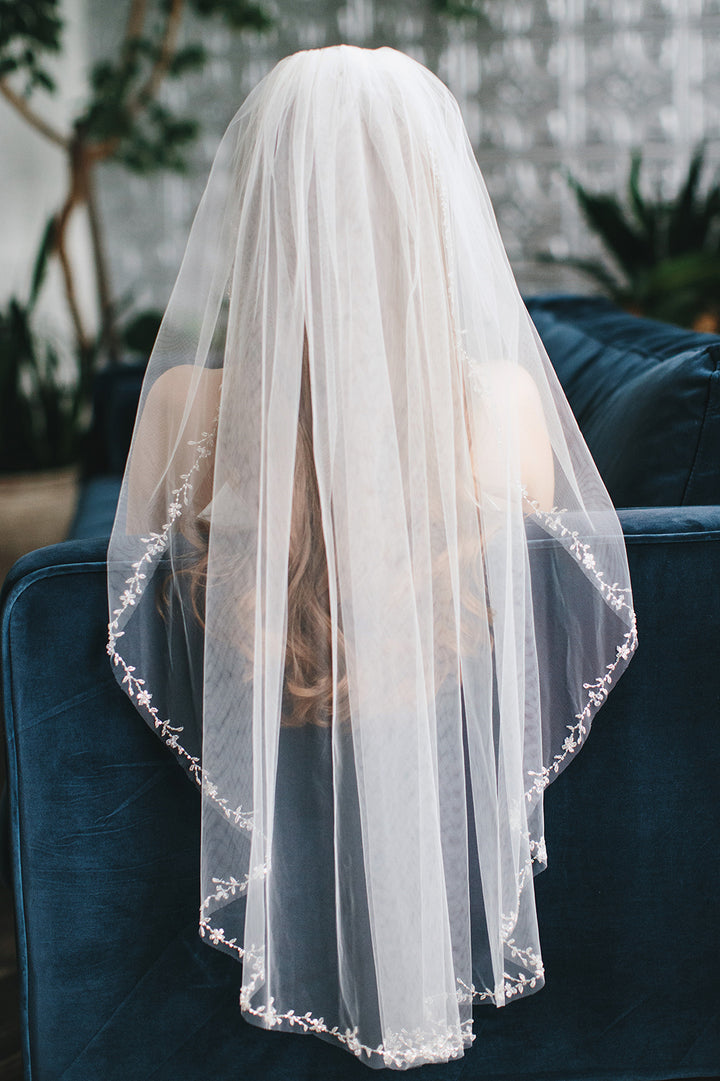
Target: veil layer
(364,579)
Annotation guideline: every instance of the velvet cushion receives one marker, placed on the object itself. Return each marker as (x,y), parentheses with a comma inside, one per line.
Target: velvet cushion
(95,511)
(645,394)
(105,834)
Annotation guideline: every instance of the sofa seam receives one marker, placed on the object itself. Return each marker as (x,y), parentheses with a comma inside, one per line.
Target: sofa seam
(560,320)
(14,592)
(632,539)
(713,381)
(47,572)
(712,350)
(16,857)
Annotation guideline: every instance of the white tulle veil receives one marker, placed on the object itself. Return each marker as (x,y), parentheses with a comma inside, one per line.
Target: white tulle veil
(364,579)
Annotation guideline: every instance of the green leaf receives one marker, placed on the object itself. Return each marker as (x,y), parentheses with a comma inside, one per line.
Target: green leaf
(42,79)
(460,9)
(140,332)
(237,14)
(29,29)
(645,213)
(41,260)
(631,247)
(32,21)
(191,58)
(696,269)
(688,224)
(592,267)
(40,415)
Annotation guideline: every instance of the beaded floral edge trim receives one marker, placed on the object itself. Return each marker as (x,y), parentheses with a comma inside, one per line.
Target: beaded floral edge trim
(403,1048)
(399,1049)
(618,597)
(156,543)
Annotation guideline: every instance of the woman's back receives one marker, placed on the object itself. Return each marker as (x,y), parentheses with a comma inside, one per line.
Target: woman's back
(326,539)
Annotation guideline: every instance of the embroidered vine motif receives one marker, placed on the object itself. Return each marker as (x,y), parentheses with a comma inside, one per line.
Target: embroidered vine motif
(538,854)
(216,935)
(538,850)
(244,819)
(234,887)
(224,889)
(525,956)
(400,1049)
(156,544)
(615,595)
(477,376)
(510,985)
(598,691)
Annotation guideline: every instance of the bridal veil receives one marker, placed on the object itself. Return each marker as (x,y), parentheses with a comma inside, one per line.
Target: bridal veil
(364,580)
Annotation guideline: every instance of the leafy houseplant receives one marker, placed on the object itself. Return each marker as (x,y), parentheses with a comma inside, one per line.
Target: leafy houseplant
(122,120)
(666,251)
(40,414)
(41,418)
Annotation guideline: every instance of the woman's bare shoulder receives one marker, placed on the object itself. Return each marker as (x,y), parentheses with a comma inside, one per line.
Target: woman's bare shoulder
(174,385)
(178,408)
(512,396)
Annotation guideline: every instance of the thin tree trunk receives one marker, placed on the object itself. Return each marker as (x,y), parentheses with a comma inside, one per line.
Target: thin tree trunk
(28,114)
(83,340)
(76,196)
(108,330)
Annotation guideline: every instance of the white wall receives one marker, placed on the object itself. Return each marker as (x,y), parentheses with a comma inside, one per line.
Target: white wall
(548,85)
(545,85)
(33,182)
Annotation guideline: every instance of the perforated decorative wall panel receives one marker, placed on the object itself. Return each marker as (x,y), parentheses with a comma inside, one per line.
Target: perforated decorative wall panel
(545,86)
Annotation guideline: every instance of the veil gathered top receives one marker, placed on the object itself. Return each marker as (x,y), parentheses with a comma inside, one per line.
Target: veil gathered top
(364,580)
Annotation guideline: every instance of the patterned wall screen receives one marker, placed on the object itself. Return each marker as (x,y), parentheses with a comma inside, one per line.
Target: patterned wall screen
(545,86)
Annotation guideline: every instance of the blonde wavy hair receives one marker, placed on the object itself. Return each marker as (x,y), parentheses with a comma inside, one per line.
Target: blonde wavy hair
(308,679)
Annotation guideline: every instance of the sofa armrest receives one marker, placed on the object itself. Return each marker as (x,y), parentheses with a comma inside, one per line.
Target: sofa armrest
(104,836)
(651,525)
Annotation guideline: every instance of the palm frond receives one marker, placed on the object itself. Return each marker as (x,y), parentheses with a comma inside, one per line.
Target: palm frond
(645,213)
(688,224)
(606,217)
(592,267)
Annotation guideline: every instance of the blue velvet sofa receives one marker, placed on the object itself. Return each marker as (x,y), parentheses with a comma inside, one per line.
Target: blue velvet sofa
(102,828)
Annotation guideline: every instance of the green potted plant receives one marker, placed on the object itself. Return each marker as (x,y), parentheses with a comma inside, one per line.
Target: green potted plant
(42,416)
(123,119)
(664,252)
(43,410)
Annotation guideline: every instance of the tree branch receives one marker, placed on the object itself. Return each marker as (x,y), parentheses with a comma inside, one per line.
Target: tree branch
(107,321)
(76,195)
(136,18)
(19,103)
(80,334)
(165,55)
(104,150)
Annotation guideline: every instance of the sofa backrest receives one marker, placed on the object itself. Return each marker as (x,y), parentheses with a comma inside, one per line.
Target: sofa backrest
(645,394)
(115,400)
(104,828)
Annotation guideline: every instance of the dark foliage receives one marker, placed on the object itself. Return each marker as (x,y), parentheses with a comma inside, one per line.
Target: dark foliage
(666,251)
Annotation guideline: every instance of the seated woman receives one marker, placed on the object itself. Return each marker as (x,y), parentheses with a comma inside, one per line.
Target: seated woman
(338,574)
